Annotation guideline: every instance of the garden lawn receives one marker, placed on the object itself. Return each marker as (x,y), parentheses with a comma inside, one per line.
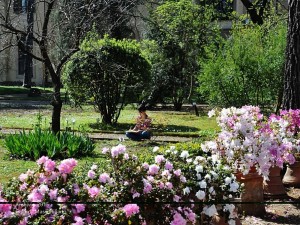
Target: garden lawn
(10,168)
(164,122)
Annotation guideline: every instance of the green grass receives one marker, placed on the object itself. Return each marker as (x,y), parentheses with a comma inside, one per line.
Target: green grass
(164,122)
(14,92)
(10,168)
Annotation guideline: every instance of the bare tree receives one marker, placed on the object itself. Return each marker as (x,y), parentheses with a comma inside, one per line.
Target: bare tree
(55,20)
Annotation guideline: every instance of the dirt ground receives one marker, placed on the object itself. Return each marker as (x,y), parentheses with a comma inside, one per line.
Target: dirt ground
(282,211)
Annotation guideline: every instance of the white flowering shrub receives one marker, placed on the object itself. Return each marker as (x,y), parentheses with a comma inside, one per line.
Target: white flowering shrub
(209,183)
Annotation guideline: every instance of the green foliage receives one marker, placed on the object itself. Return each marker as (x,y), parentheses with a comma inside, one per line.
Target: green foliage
(32,145)
(107,71)
(180,30)
(246,68)
(194,148)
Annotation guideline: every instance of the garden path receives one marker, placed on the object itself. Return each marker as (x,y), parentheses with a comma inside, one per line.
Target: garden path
(118,135)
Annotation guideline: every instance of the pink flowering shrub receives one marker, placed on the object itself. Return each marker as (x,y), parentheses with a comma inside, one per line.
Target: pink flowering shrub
(56,194)
(126,192)
(247,139)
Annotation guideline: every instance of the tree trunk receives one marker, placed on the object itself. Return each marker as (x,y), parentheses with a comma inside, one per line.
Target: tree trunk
(29,45)
(255,12)
(177,105)
(291,92)
(57,105)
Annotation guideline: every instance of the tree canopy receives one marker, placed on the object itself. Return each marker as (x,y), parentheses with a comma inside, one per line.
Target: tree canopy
(109,72)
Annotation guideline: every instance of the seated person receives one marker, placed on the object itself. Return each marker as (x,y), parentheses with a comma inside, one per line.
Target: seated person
(142,128)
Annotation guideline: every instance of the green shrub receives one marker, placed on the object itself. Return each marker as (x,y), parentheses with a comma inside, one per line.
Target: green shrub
(246,68)
(37,143)
(194,148)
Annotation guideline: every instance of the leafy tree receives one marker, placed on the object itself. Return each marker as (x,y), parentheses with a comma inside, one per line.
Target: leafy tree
(291,90)
(80,14)
(109,72)
(180,29)
(247,67)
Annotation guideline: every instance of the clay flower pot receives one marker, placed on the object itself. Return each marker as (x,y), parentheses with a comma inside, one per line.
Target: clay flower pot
(292,175)
(253,192)
(273,188)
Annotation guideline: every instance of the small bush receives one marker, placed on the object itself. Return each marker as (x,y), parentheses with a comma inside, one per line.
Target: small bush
(40,142)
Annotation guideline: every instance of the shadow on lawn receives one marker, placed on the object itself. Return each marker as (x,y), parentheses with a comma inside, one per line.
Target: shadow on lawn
(127,126)
(23,106)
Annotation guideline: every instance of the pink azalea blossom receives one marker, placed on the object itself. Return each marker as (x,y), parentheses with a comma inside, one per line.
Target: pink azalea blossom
(91,174)
(4,208)
(178,219)
(169,185)
(146,166)
(93,192)
(105,150)
(153,169)
(67,166)
(117,150)
(79,208)
(104,178)
(136,195)
(131,209)
(177,172)
(23,177)
(43,189)
(168,166)
(34,209)
(76,189)
(159,159)
(42,160)
(78,221)
(88,219)
(147,187)
(35,196)
(53,194)
(23,186)
(49,165)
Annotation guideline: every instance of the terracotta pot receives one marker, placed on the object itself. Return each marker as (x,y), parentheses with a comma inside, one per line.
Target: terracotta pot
(253,192)
(273,188)
(291,177)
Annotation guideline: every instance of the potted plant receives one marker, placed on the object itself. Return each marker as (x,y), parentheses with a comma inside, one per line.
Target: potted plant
(252,146)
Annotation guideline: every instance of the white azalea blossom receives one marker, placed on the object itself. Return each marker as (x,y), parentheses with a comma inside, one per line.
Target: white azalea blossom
(227,180)
(202,184)
(211,113)
(186,191)
(155,149)
(210,211)
(234,187)
(200,195)
(184,154)
(199,169)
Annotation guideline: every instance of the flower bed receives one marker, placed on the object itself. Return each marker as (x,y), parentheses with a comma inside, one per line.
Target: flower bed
(173,188)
